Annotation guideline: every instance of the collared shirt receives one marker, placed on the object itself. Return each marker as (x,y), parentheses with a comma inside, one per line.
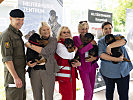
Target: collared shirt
(109,69)
(12,47)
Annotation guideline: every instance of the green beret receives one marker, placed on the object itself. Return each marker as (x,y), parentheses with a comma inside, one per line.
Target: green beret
(17,13)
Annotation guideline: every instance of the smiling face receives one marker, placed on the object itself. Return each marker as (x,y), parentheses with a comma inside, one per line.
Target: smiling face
(17,22)
(45,31)
(65,33)
(107,29)
(83,28)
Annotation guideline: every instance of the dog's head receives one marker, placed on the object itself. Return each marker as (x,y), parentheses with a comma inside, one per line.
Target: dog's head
(33,39)
(88,37)
(109,39)
(69,43)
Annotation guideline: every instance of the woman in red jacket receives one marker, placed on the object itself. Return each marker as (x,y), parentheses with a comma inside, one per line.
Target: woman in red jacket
(66,76)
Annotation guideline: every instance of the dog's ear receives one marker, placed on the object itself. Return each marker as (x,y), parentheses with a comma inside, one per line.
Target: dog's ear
(43,42)
(29,34)
(119,37)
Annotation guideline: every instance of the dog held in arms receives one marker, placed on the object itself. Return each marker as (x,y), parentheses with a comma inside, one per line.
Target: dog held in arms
(116,52)
(32,55)
(69,44)
(88,37)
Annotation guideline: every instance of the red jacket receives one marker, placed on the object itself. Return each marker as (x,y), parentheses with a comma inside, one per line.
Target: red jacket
(65,69)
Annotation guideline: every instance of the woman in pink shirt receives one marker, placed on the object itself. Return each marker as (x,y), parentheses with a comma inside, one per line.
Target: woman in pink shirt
(86,70)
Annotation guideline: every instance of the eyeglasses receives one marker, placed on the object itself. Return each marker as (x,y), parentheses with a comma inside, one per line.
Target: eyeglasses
(82,22)
(65,32)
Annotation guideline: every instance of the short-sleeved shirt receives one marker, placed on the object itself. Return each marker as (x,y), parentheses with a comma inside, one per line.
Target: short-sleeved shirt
(12,49)
(109,69)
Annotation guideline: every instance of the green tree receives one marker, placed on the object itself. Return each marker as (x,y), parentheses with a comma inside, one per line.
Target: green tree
(119,17)
(118,8)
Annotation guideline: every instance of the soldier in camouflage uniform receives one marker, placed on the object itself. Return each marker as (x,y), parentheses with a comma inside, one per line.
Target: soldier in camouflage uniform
(13,57)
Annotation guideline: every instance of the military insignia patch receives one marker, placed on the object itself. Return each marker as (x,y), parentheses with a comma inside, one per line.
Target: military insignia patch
(7,45)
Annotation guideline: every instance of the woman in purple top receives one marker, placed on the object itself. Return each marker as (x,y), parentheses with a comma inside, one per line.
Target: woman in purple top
(87,70)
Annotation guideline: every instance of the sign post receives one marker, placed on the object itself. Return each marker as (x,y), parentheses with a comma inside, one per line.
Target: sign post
(96,18)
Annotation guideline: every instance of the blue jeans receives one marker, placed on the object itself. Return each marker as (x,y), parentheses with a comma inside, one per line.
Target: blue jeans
(122,87)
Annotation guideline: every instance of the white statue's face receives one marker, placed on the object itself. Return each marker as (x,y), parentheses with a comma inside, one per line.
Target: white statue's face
(52,17)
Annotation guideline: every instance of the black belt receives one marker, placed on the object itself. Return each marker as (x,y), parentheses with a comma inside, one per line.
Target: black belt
(39,67)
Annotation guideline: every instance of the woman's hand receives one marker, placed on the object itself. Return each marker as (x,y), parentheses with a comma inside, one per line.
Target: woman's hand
(91,59)
(28,45)
(31,64)
(93,42)
(76,64)
(76,49)
(120,58)
(108,50)
(33,47)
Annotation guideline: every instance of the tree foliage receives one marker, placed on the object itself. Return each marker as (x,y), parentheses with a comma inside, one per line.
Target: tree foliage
(119,11)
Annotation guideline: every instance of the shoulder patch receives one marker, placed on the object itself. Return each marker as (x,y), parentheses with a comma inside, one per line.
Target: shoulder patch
(7,45)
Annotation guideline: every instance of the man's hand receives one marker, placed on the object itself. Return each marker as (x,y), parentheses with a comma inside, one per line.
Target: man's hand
(18,82)
(12,70)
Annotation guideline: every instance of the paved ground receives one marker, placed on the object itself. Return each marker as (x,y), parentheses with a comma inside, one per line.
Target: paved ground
(101,94)
(98,95)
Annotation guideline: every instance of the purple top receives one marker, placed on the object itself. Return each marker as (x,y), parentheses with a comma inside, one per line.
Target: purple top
(85,66)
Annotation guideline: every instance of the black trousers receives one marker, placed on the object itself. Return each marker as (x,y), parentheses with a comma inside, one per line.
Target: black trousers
(122,87)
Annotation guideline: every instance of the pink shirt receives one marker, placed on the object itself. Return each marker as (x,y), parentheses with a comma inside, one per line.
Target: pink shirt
(85,66)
